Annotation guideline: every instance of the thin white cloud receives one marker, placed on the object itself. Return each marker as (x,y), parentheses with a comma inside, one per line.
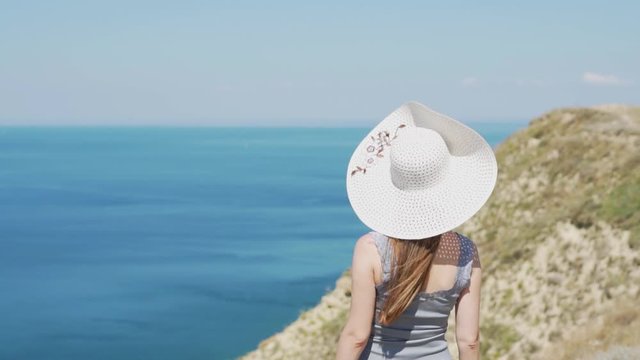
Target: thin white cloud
(593,78)
(470,81)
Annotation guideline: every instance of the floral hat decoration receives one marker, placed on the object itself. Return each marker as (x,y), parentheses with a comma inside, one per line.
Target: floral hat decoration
(419,173)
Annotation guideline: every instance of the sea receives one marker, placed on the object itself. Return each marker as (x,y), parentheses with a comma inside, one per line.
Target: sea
(170,242)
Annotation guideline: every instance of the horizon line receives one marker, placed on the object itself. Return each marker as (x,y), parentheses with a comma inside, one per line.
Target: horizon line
(240,125)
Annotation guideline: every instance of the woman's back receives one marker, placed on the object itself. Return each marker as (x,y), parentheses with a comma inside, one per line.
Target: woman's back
(419,332)
(417,175)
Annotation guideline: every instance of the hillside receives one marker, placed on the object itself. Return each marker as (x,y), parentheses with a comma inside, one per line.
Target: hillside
(559,241)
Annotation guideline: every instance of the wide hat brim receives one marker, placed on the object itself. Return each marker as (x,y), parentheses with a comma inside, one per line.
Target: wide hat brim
(469,180)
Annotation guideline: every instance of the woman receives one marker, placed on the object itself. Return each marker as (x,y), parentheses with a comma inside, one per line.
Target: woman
(412,180)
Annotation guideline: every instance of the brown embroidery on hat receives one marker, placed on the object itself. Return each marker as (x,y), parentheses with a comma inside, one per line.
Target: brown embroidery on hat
(377,146)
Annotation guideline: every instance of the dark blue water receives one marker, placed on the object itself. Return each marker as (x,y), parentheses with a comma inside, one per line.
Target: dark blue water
(169,243)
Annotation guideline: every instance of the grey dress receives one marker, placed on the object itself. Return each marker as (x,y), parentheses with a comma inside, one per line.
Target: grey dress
(418,333)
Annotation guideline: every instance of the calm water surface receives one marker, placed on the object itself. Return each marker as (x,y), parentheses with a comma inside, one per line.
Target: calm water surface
(169,243)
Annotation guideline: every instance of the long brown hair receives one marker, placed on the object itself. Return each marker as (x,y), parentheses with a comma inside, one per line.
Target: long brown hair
(410,268)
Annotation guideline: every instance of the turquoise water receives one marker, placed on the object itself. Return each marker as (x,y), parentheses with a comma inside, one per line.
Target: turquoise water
(169,243)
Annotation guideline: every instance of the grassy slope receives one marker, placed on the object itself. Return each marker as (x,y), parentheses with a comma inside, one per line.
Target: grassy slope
(559,242)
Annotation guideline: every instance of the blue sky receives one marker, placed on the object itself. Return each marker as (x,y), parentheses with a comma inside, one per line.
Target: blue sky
(308,63)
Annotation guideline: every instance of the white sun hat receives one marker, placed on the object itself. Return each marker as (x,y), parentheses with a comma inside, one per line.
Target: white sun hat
(419,173)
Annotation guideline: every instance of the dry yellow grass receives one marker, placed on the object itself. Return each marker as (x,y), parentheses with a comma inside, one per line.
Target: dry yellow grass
(618,326)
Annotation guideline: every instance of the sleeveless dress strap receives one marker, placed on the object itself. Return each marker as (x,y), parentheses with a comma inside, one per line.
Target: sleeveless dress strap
(384,250)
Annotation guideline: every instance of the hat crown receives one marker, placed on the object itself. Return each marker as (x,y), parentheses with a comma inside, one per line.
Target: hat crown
(419,158)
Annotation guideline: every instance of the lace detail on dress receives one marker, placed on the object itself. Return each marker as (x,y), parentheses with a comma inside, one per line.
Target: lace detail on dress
(456,249)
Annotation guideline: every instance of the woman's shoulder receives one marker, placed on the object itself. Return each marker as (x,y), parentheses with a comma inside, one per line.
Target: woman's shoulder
(369,238)
(371,242)
(379,248)
(366,240)
(374,238)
